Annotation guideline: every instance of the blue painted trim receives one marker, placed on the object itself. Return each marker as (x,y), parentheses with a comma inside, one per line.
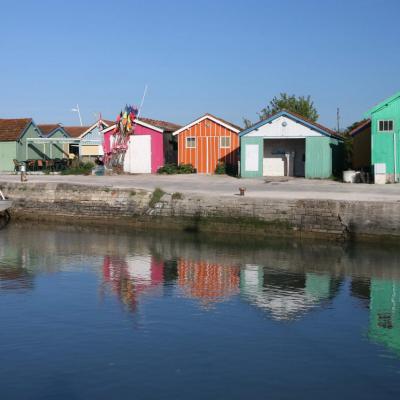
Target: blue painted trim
(291,116)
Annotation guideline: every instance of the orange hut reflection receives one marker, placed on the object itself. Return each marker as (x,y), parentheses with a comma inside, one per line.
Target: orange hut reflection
(208,282)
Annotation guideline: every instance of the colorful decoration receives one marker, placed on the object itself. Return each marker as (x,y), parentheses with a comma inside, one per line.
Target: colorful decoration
(124,128)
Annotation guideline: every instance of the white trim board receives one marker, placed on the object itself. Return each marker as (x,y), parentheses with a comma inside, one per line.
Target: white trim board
(284,127)
(137,122)
(207,116)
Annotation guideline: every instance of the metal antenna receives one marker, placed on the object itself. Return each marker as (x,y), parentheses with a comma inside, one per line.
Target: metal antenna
(338,119)
(141,104)
(79,113)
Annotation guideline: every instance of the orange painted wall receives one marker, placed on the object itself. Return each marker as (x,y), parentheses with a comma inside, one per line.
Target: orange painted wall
(208,152)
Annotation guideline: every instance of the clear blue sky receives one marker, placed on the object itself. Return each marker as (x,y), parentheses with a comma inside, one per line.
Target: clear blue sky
(228,58)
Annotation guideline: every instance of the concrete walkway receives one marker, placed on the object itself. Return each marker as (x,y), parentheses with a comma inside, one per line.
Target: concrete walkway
(227,186)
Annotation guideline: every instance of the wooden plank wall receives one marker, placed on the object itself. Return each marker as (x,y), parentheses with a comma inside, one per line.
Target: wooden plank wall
(207,153)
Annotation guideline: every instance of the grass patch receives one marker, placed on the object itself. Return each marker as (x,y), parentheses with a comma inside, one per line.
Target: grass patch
(156,197)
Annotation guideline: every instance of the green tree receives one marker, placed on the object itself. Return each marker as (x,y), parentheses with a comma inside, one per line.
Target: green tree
(298,104)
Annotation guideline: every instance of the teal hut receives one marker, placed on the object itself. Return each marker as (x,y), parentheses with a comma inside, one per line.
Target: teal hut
(287,144)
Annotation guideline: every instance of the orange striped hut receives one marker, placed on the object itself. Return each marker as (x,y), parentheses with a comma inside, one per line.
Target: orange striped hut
(208,141)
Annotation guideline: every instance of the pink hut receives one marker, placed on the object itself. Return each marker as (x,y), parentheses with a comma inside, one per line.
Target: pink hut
(145,151)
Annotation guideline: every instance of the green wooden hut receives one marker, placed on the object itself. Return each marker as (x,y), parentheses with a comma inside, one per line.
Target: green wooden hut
(53,149)
(287,144)
(376,141)
(13,142)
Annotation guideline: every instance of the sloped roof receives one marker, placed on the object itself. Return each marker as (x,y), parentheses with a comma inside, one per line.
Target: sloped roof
(297,117)
(218,120)
(108,122)
(165,125)
(75,131)
(11,129)
(48,128)
(360,127)
(382,104)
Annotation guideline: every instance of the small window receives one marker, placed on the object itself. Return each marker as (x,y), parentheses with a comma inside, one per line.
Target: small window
(225,142)
(190,142)
(385,125)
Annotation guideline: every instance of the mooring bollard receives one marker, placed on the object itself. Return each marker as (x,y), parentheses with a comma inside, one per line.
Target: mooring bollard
(241,191)
(23,172)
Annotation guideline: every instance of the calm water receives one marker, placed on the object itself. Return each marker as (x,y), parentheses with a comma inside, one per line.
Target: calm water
(106,315)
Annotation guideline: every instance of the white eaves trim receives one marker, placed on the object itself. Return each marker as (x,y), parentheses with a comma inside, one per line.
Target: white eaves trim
(93,126)
(137,122)
(110,128)
(207,116)
(155,128)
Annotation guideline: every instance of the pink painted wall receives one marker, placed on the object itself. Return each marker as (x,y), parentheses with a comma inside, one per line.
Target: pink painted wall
(157,145)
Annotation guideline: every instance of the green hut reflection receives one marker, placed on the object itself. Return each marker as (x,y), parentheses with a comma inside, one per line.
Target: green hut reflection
(384,325)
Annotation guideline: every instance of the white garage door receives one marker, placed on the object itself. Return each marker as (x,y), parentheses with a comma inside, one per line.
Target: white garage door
(274,166)
(138,156)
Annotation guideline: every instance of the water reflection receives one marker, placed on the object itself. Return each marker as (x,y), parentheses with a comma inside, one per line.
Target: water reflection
(382,298)
(14,274)
(285,280)
(286,296)
(208,282)
(132,277)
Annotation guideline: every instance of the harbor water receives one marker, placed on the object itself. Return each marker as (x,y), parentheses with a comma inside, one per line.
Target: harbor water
(101,314)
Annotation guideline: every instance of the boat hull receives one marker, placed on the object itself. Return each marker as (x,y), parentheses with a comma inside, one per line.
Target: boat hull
(5,205)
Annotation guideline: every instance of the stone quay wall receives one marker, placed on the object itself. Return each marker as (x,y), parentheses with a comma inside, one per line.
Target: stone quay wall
(81,204)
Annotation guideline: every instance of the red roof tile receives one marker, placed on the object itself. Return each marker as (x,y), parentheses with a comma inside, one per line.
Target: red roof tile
(165,125)
(11,129)
(360,126)
(48,128)
(75,131)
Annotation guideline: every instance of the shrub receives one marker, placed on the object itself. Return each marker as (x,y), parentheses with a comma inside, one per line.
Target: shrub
(80,169)
(228,169)
(170,169)
(186,169)
(220,169)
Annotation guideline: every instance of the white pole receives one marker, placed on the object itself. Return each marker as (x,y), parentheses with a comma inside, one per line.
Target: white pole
(141,103)
(79,113)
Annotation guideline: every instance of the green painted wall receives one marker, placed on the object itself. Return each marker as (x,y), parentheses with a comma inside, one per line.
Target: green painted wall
(32,151)
(244,140)
(382,146)
(321,153)
(58,150)
(384,324)
(7,154)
